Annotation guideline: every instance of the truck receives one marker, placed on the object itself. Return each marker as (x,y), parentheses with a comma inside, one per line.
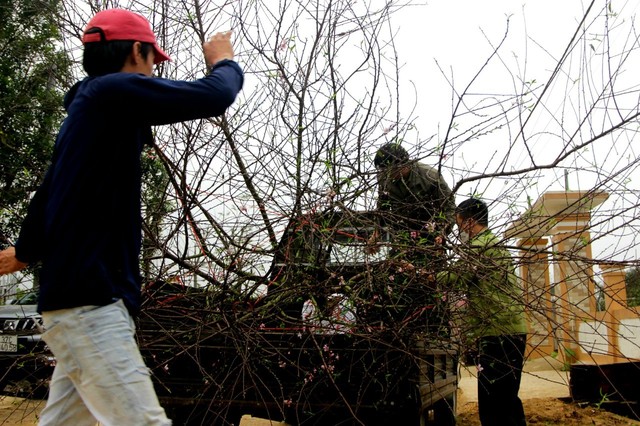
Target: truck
(340,337)
(26,364)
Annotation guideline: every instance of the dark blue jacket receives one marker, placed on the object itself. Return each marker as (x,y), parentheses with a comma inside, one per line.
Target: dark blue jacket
(84,222)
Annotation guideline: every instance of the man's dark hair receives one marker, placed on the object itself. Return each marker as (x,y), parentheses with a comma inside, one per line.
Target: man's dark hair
(108,57)
(390,154)
(475,209)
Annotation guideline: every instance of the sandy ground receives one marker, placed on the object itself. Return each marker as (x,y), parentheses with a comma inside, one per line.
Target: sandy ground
(544,391)
(541,378)
(18,411)
(545,394)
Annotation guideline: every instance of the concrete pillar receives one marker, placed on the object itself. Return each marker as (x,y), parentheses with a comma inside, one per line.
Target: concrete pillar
(574,290)
(615,286)
(615,299)
(563,216)
(534,271)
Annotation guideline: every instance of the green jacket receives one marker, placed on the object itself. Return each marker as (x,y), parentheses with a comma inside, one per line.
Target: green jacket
(486,274)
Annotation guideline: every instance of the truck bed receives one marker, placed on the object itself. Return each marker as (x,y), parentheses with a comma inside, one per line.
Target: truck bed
(213,365)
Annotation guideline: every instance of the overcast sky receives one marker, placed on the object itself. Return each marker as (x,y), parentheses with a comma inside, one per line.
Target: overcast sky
(459,36)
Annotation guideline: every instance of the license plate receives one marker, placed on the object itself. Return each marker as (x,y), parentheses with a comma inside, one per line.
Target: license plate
(8,343)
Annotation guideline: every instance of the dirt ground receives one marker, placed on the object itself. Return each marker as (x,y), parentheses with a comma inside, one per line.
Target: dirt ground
(18,411)
(544,391)
(540,411)
(552,411)
(545,394)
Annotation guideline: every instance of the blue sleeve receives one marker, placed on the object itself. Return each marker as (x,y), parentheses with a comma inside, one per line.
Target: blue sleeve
(30,243)
(157,101)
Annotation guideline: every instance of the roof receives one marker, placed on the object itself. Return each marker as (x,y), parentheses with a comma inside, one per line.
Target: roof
(553,207)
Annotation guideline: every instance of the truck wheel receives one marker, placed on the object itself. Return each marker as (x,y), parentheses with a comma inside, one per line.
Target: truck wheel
(442,413)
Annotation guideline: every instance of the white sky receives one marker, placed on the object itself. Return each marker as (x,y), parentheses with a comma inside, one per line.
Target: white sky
(459,34)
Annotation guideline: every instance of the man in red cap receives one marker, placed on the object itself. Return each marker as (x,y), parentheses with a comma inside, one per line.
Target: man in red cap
(90,280)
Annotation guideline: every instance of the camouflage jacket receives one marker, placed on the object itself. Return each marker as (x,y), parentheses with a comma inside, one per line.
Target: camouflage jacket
(421,201)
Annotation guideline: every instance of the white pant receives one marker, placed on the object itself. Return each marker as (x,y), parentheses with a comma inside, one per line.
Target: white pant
(99,373)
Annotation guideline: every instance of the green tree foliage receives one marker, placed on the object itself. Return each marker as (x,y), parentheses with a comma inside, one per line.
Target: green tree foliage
(155,181)
(33,73)
(632,279)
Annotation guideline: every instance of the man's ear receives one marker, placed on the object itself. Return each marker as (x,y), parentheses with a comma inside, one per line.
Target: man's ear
(131,59)
(135,55)
(134,58)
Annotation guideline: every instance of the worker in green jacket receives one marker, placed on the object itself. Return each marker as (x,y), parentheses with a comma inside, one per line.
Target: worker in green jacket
(493,316)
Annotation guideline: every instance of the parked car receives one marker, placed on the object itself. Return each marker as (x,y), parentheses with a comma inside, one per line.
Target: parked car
(26,364)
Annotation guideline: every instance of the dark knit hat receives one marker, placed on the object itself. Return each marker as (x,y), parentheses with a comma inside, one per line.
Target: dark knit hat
(390,154)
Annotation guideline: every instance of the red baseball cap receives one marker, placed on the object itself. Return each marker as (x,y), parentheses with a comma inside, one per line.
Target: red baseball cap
(121,24)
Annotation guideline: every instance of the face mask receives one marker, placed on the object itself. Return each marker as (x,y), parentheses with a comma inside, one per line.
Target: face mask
(464,237)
